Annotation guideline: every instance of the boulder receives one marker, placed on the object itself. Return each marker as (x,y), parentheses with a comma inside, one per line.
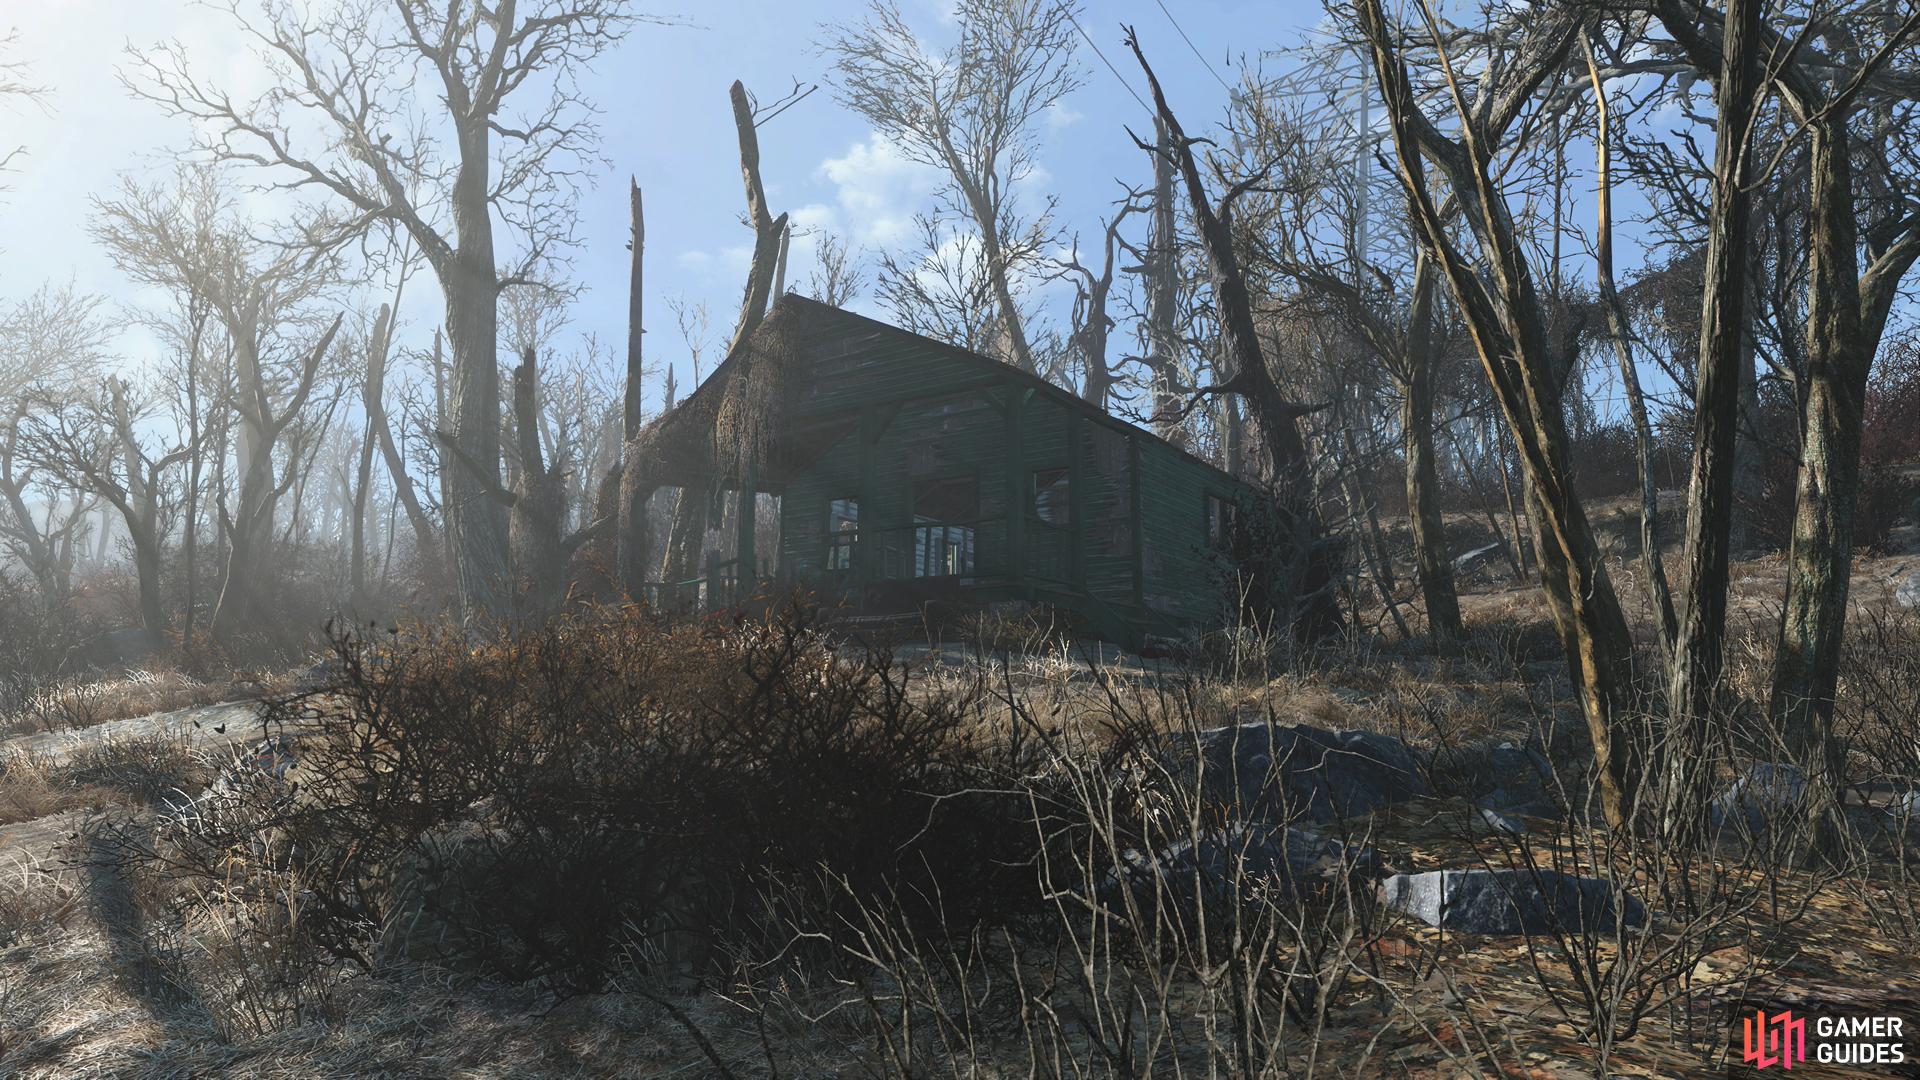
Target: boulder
(1252,859)
(1766,792)
(1507,776)
(1906,588)
(1508,901)
(1467,562)
(1501,823)
(1280,773)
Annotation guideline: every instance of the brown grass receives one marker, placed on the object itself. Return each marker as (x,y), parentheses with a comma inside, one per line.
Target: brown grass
(74,999)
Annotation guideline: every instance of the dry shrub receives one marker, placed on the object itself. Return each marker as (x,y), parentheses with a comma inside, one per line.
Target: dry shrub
(554,804)
(145,770)
(42,649)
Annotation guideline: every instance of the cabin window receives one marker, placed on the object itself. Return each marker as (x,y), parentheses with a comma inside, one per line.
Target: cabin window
(1052,502)
(944,515)
(1220,522)
(843,530)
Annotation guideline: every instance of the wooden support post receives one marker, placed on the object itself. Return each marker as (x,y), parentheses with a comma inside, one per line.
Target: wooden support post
(1016,486)
(748,567)
(1139,533)
(1076,503)
(867,545)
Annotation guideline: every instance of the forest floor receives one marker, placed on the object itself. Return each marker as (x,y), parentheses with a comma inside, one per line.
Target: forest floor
(86,989)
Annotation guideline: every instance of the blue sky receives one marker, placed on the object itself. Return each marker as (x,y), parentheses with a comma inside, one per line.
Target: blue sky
(666,120)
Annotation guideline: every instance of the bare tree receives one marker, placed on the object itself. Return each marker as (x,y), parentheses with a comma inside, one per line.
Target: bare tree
(446,180)
(14,88)
(838,276)
(1091,323)
(1620,334)
(50,342)
(184,239)
(940,287)
(1496,293)
(92,443)
(691,512)
(970,112)
(1304,560)
(768,231)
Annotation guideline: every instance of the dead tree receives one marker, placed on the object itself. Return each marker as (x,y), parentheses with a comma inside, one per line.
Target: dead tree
(1659,593)
(1091,323)
(536,504)
(50,342)
(1304,560)
(1160,265)
(93,444)
(1697,643)
(970,112)
(1847,308)
(1503,313)
(379,166)
(692,512)
(767,229)
(373,400)
(838,275)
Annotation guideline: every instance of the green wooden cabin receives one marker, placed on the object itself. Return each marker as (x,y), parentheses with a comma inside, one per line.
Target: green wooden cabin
(914,474)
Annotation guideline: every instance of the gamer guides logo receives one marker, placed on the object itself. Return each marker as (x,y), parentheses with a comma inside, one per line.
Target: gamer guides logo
(1780,1040)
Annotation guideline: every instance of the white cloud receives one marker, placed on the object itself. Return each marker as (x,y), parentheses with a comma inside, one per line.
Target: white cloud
(879,190)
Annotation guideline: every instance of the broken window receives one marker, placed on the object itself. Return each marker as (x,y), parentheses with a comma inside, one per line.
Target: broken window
(945,512)
(1220,522)
(843,530)
(1052,501)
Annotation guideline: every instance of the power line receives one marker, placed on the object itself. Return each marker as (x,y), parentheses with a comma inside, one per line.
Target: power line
(1204,62)
(1103,58)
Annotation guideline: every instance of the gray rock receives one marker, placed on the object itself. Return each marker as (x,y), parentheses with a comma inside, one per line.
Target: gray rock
(1509,901)
(1468,562)
(1286,772)
(1906,589)
(1508,777)
(1766,792)
(1502,823)
(1252,860)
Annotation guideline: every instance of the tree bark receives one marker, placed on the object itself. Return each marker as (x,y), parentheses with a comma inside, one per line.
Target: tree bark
(767,229)
(633,401)
(470,283)
(373,399)
(1659,594)
(534,520)
(1504,315)
(1697,645)
(1163,295)
(250,529)
(1431,565)
(1306,559)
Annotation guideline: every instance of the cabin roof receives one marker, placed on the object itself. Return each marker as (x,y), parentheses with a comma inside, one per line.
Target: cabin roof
(719,400)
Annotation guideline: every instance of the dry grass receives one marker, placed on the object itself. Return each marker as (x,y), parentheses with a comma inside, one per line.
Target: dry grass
(76,705)
(154,983)
(127,772)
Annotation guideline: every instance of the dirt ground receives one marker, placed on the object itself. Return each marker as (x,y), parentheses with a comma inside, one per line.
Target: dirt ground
(85,990)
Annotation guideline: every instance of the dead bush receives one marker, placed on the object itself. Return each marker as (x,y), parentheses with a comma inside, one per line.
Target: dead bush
(527,806)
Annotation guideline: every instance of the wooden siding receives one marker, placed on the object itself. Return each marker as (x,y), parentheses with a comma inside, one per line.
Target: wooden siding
(1132,555)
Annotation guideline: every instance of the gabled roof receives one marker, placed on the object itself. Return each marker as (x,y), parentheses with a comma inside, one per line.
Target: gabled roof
(743,399)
